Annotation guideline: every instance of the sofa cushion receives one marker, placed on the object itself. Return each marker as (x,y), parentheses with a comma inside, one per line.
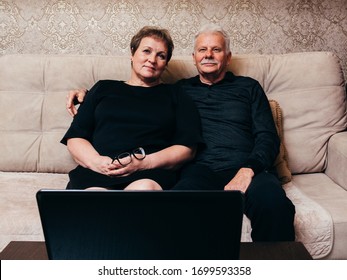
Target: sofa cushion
(23,223)
(313,224)
(310,89)
(330,196)
(337,159)
(281,163)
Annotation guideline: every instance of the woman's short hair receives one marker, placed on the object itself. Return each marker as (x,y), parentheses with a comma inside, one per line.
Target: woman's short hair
(214,28)
(155,32)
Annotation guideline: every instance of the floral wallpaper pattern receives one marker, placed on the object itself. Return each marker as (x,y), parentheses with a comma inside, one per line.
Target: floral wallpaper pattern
(105,27)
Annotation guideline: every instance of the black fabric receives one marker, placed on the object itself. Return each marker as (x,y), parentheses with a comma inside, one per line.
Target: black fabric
(266,205)
(239,131)
(237,123)
(116,117)
(79,176)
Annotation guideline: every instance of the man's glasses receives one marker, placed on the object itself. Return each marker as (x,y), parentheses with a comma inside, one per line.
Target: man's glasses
(125,158)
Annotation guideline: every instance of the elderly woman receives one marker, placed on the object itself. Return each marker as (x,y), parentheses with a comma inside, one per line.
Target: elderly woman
(134,134)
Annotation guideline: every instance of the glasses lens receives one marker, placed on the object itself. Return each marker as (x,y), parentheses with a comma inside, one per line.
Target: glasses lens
(139,153)
(124,158)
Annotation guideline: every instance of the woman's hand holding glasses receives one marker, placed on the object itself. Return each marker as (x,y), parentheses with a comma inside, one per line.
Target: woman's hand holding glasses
(127,163)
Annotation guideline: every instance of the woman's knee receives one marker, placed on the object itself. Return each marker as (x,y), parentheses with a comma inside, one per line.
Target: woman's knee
(96,189)
(144,184)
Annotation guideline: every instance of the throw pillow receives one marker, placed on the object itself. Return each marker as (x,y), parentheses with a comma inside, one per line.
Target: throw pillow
(281,163)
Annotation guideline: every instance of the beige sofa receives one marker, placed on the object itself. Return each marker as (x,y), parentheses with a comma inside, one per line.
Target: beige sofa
(309,88)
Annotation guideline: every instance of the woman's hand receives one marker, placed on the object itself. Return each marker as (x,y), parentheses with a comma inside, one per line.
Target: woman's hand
(100,164)
(117,170)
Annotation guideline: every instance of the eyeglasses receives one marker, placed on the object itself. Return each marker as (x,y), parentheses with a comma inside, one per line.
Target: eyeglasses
(126,158)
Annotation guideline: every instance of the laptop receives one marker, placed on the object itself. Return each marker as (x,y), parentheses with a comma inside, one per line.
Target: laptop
(141,225)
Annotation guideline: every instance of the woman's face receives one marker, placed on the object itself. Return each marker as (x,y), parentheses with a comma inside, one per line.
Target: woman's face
(149,60)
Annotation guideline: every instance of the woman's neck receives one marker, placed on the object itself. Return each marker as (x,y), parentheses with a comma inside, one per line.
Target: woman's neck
(142,83)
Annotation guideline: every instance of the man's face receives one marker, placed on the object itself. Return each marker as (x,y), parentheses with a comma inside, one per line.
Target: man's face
(210,55)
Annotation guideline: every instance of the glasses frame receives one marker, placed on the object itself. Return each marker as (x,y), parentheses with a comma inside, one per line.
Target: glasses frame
(134,153)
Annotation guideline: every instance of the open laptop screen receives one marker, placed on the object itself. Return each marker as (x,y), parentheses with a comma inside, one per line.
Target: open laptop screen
(157,225)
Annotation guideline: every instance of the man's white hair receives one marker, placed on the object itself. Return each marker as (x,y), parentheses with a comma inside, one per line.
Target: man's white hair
(214,28)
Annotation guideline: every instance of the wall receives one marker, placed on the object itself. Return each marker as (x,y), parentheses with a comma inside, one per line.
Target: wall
(105,27)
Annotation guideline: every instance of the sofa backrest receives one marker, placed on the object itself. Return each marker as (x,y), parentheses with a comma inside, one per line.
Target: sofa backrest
(308,86)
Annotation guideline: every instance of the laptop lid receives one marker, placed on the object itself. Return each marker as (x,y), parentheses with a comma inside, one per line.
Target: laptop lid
(154,225)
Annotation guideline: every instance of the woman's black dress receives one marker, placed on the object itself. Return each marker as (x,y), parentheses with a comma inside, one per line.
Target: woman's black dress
(116,117)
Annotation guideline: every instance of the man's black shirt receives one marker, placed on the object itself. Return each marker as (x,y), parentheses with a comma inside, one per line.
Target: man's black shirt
(237,124)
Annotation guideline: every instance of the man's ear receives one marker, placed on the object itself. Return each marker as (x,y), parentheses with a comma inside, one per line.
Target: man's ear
(193,57)
(229,58)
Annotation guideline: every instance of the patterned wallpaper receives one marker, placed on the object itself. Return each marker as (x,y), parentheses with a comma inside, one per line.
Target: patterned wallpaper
(105,27)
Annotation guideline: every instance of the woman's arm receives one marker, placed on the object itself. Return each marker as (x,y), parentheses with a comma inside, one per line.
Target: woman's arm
(172,157)
(85,155)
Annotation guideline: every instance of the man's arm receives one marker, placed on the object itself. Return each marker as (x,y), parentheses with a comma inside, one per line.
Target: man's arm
(266,142)
(265,136)
(73,97)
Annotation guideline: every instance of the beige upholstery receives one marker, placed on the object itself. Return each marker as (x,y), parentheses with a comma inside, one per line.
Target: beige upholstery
(309,88)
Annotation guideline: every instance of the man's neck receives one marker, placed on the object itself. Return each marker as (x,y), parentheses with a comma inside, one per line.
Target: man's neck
(210,79)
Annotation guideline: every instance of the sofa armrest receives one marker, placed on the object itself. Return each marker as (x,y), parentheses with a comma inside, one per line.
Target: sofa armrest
(337,159)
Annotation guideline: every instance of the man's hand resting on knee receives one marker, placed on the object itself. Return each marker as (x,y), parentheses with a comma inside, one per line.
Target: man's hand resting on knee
(241,180)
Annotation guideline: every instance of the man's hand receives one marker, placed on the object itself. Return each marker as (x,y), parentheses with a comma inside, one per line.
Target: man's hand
(76,93)
(241,180)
